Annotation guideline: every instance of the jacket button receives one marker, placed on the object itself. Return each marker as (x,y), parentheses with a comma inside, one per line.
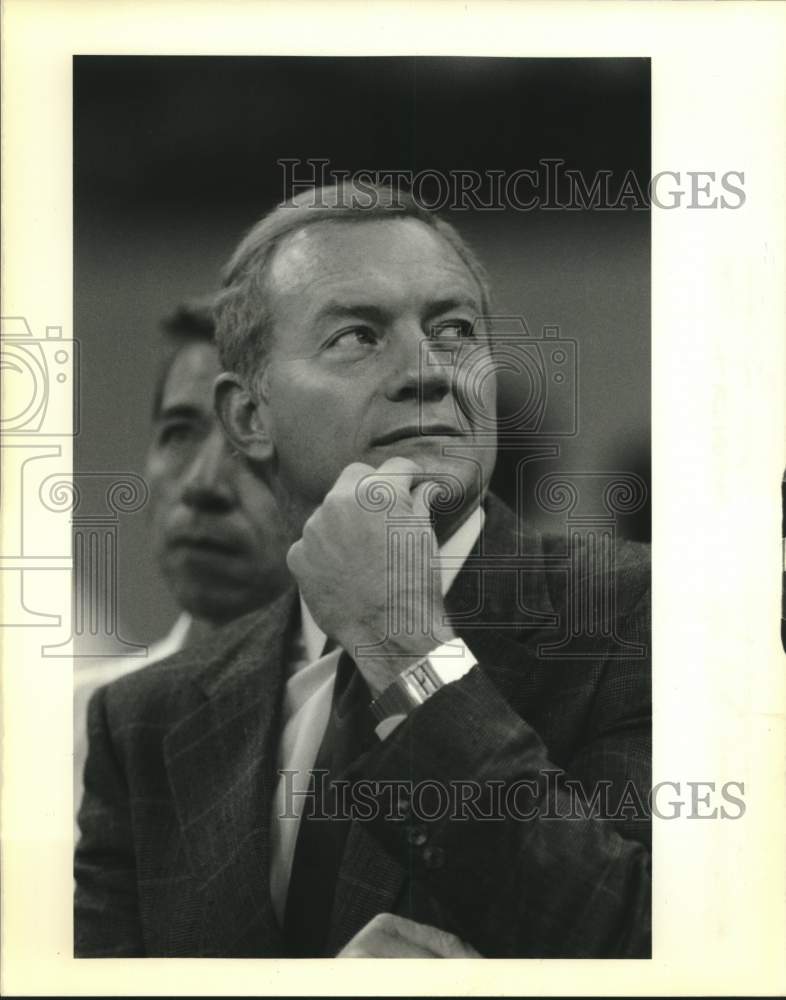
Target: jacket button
(433,857)
(416,835)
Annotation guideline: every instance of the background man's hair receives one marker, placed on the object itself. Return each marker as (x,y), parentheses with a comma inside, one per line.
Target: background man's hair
(191,322)
(243,322)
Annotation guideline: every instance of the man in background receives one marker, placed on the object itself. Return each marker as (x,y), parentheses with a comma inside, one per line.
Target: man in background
(216,532)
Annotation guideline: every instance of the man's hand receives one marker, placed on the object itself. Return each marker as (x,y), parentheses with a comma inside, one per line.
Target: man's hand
(364,568)
(389,936)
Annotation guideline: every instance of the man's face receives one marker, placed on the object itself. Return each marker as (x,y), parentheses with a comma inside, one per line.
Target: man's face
(347,380)
(217,534)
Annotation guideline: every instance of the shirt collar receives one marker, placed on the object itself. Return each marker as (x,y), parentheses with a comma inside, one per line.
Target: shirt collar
(452,556)
(177,636)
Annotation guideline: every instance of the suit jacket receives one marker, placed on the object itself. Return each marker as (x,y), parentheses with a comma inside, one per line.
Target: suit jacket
(89,679)
(174,856)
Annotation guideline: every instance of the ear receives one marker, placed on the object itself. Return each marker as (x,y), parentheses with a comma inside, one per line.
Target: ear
(243,417)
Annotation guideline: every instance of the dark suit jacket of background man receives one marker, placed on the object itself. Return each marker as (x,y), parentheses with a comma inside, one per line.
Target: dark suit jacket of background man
(174,857)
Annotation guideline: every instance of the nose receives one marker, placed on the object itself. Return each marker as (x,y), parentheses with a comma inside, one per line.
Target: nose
(420,368)
(208,484)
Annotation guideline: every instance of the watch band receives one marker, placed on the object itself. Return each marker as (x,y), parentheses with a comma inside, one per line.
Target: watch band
(418,682)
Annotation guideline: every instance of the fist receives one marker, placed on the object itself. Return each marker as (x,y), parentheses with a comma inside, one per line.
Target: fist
(365,566)
(389,936)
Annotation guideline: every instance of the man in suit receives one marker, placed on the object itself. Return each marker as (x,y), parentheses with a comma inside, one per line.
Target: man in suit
(215,528)
(471,794)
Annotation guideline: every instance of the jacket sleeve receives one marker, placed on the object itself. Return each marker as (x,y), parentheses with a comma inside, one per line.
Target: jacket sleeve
(106,918)
(540,861)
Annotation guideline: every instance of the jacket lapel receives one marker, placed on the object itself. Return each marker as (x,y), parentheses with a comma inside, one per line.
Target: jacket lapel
(500,604)
(221,763)
(503,581)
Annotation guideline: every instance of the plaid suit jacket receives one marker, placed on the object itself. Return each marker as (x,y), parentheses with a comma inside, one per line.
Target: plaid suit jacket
(546,743)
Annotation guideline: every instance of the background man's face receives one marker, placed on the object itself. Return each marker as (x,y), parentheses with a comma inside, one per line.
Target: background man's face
(217,533)
(352,305)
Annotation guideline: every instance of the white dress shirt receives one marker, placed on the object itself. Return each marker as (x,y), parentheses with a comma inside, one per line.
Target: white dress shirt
(308,697)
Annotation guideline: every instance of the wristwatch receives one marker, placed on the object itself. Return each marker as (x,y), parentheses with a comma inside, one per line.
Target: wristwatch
(419,682)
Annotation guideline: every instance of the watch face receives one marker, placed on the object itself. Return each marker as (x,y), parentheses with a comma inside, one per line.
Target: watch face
(422,680)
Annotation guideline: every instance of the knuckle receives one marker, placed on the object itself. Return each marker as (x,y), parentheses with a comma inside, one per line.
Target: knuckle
(333,504)
(310,523)
(353,472)
(400,465)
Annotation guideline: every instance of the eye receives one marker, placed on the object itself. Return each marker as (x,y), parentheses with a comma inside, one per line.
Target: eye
(354,337)
(177,434)
(452,329)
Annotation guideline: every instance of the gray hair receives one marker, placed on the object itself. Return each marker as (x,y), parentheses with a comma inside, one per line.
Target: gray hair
(242,315)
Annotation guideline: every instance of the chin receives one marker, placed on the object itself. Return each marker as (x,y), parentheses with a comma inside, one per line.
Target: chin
(213,603)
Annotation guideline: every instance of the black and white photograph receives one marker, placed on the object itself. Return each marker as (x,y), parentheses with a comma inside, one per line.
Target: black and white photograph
(391,427)
(392,516)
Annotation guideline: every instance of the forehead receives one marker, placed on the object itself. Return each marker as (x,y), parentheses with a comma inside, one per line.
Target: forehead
(374,258)
(191,376)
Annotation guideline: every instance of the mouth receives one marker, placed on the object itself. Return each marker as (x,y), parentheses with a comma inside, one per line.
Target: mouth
(418,431)
(208,544)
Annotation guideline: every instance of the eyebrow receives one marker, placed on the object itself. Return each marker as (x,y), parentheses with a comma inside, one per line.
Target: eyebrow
(377,314)
(337,310)
(453,302)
